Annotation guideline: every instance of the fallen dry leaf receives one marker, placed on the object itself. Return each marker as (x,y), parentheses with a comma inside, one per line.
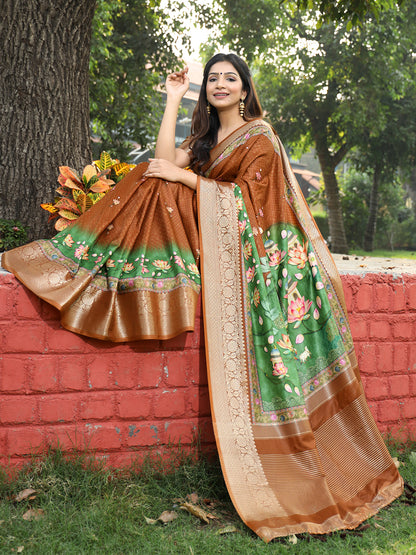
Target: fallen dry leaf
(20,549)
(33,514)
(396,462)
(377,525)
(24,494)
(168,516)
(197,511)
(293,539)
(165,517)
(192,497)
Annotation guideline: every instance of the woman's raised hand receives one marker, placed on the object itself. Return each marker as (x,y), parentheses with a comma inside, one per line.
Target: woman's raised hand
(177,83)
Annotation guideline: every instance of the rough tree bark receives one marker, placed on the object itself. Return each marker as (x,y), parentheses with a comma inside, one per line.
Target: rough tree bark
(44,106)
(372,212)
(328,163)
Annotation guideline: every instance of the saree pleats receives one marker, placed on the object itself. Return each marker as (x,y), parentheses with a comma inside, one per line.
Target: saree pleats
(127,269)
(299,449)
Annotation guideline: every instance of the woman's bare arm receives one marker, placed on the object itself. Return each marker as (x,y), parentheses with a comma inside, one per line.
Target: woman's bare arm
(176,86)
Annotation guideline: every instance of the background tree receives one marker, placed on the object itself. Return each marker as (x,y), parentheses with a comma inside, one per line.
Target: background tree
(319,81)
(132,48)
(386,139)
(44,89)
(44,107)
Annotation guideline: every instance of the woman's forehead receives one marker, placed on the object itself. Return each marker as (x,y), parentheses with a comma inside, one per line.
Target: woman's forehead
(223,67)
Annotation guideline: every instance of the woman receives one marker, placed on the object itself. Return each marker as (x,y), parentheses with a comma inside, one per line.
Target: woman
(299,449)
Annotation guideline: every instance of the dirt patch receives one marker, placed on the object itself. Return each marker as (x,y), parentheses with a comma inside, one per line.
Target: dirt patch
(352,264)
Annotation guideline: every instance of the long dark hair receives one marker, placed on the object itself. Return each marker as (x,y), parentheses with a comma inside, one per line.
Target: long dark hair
(204,129)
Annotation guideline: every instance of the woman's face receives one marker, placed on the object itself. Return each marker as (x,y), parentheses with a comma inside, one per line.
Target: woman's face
(224,87)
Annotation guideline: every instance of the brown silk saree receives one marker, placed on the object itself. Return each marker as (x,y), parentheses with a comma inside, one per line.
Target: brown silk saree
(299,449)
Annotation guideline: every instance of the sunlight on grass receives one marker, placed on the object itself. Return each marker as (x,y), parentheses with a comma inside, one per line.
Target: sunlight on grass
(384,253)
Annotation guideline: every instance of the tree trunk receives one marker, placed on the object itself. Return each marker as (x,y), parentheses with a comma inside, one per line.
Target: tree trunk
(372,213)
(44,105)
(338,241)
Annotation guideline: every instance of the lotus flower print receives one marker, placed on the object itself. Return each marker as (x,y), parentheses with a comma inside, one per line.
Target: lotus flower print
(276,257)
(250,274)
(128,267)
(162,264)
(297,310)
(247,250)
(193,268)
(298,255)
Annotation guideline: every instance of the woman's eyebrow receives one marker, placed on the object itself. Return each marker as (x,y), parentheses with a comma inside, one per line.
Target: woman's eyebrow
(226,73)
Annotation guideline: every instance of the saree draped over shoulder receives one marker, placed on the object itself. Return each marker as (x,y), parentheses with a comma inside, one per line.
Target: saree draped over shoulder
(299,449)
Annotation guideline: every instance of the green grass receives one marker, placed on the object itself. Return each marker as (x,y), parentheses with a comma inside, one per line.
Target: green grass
(384,253)
(91,509)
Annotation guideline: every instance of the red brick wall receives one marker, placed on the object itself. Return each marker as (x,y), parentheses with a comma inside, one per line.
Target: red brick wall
(122,399)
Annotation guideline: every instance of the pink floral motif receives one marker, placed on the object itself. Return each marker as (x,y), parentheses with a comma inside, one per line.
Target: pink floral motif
(68,241)
(256,297)
(144,270)
(250,274)
(242,225)
(285,342)
(179,261)
(279,369)
(276,257)
(258,176)
(162,264)
(297,309)
(110,263)
(298,255)
(247,250)
(239,203)
(79,251)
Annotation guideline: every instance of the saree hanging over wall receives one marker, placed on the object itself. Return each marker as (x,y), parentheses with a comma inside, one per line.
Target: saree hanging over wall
(299,449)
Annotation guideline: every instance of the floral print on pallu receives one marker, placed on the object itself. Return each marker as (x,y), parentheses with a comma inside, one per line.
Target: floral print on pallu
(260,414)
(325,376)
(308,312)
(317,267)
(298,255)
(266,324)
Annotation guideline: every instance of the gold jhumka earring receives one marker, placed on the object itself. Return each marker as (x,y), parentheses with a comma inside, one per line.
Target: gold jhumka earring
(242,107)
(208,108)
